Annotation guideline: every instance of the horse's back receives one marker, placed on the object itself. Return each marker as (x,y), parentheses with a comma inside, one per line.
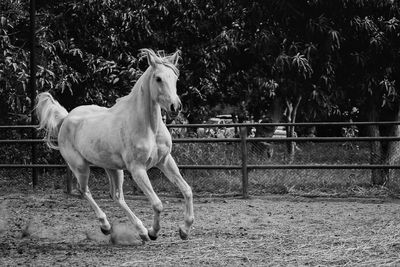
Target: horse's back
(80,116)
(87,110)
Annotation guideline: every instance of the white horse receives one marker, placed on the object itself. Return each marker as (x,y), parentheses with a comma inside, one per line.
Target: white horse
(128,136)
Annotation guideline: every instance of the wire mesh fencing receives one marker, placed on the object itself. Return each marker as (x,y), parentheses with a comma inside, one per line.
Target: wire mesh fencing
(332,180)
(348,164)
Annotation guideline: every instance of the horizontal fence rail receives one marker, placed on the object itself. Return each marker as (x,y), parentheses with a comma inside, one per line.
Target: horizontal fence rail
(300,124)
(237,140)
(208,125)
(225,167)
(243,140)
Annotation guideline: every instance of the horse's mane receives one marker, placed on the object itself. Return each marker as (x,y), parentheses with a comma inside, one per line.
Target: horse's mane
(160,58)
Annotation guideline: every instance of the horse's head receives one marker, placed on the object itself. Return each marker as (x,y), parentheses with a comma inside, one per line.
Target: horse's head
(163,77)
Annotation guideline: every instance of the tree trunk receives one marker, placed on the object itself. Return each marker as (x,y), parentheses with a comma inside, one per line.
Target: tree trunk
(392,155)
(291,118)
(378,176)
(277,109)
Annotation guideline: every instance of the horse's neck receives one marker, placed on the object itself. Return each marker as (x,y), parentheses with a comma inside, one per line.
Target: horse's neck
(142,108)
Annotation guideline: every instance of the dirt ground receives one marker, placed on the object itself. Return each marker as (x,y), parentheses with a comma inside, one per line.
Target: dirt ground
(265,230)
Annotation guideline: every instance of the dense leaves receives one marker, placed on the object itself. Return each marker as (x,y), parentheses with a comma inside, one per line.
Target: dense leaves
(322,57)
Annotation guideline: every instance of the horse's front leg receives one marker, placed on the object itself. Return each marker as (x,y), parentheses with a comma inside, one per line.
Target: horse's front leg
(171,171)
(139,175)
(117,177)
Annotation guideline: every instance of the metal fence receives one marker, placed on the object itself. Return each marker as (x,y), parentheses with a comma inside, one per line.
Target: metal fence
(241,153)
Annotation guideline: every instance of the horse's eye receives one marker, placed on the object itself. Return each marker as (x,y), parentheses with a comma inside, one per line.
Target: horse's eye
(158,79)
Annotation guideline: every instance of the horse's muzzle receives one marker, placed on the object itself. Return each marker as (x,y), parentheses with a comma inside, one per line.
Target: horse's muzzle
(173,108)
(176,107)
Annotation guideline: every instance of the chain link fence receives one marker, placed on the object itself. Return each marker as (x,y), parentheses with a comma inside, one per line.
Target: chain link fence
(214,151)
(308,180)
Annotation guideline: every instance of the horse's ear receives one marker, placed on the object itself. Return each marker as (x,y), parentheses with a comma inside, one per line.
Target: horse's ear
(174,58)
(149,56)
(151,60)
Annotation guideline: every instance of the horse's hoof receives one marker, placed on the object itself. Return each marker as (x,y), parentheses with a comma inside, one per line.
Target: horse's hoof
(152,237)
(152,234)
(105,232)
(144,237)
(182,234)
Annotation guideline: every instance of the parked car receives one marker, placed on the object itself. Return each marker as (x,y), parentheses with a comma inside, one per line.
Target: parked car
(220,131)
(280,132)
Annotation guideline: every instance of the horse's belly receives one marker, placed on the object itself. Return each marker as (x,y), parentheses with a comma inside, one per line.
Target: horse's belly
(101,151)
(105,159)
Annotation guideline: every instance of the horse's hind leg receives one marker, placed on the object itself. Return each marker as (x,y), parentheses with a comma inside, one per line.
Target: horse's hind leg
(82,175)
(116,182)
(112,180)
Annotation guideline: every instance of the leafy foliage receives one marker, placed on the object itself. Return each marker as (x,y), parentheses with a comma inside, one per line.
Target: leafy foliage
(330,54)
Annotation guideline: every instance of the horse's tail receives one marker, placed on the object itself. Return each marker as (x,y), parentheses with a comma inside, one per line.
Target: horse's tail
(51,115)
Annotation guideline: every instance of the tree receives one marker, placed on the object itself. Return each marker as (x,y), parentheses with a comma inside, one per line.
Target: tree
(315,58)
(352,49)
(370,57)
(14,73)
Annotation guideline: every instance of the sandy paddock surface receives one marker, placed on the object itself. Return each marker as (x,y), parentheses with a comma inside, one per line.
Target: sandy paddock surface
(264,230)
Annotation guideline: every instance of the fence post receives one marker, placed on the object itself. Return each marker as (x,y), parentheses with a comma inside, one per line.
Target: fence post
(245,177)
(34,160)
(32,85)
(68,180)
